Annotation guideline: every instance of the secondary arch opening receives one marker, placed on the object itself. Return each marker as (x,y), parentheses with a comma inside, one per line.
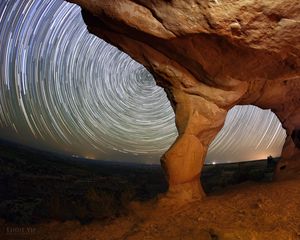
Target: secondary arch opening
(247,148)
(249,133)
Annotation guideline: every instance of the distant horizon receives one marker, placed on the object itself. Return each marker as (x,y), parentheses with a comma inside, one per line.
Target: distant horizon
(74,156)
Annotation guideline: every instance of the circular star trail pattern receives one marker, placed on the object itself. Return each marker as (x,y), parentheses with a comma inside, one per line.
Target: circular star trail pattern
(66,90)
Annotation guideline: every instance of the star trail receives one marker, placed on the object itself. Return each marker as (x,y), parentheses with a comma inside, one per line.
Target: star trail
(65,90)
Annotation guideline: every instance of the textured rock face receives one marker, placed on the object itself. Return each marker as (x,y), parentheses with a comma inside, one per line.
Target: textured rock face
(210,55)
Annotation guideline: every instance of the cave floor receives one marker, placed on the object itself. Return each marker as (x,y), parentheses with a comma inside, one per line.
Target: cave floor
(247,211)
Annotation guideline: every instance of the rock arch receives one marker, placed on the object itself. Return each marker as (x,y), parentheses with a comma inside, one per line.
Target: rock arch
(210,56)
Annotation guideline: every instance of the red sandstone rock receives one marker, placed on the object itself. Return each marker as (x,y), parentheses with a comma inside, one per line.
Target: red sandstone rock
(210,55)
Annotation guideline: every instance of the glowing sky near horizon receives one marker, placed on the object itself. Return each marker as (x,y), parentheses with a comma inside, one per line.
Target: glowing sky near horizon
(68,91)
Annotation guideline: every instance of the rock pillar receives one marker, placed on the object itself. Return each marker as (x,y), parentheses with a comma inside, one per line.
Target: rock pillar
(199,118)
(198,121)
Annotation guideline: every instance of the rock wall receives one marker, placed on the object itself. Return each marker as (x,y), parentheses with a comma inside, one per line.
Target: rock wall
(210,55)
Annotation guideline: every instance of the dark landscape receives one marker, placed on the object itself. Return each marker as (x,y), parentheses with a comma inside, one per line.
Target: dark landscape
(38,186)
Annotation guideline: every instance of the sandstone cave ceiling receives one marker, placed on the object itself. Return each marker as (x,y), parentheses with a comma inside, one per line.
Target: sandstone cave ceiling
(66,90)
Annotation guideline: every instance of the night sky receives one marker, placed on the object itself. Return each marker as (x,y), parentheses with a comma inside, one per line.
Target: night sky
(65,90)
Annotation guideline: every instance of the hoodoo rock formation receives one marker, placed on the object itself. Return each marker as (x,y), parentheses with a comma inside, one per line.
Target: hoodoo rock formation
(210,55)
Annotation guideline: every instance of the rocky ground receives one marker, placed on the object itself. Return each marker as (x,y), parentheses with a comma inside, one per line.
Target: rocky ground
(254,211)
(44,196)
